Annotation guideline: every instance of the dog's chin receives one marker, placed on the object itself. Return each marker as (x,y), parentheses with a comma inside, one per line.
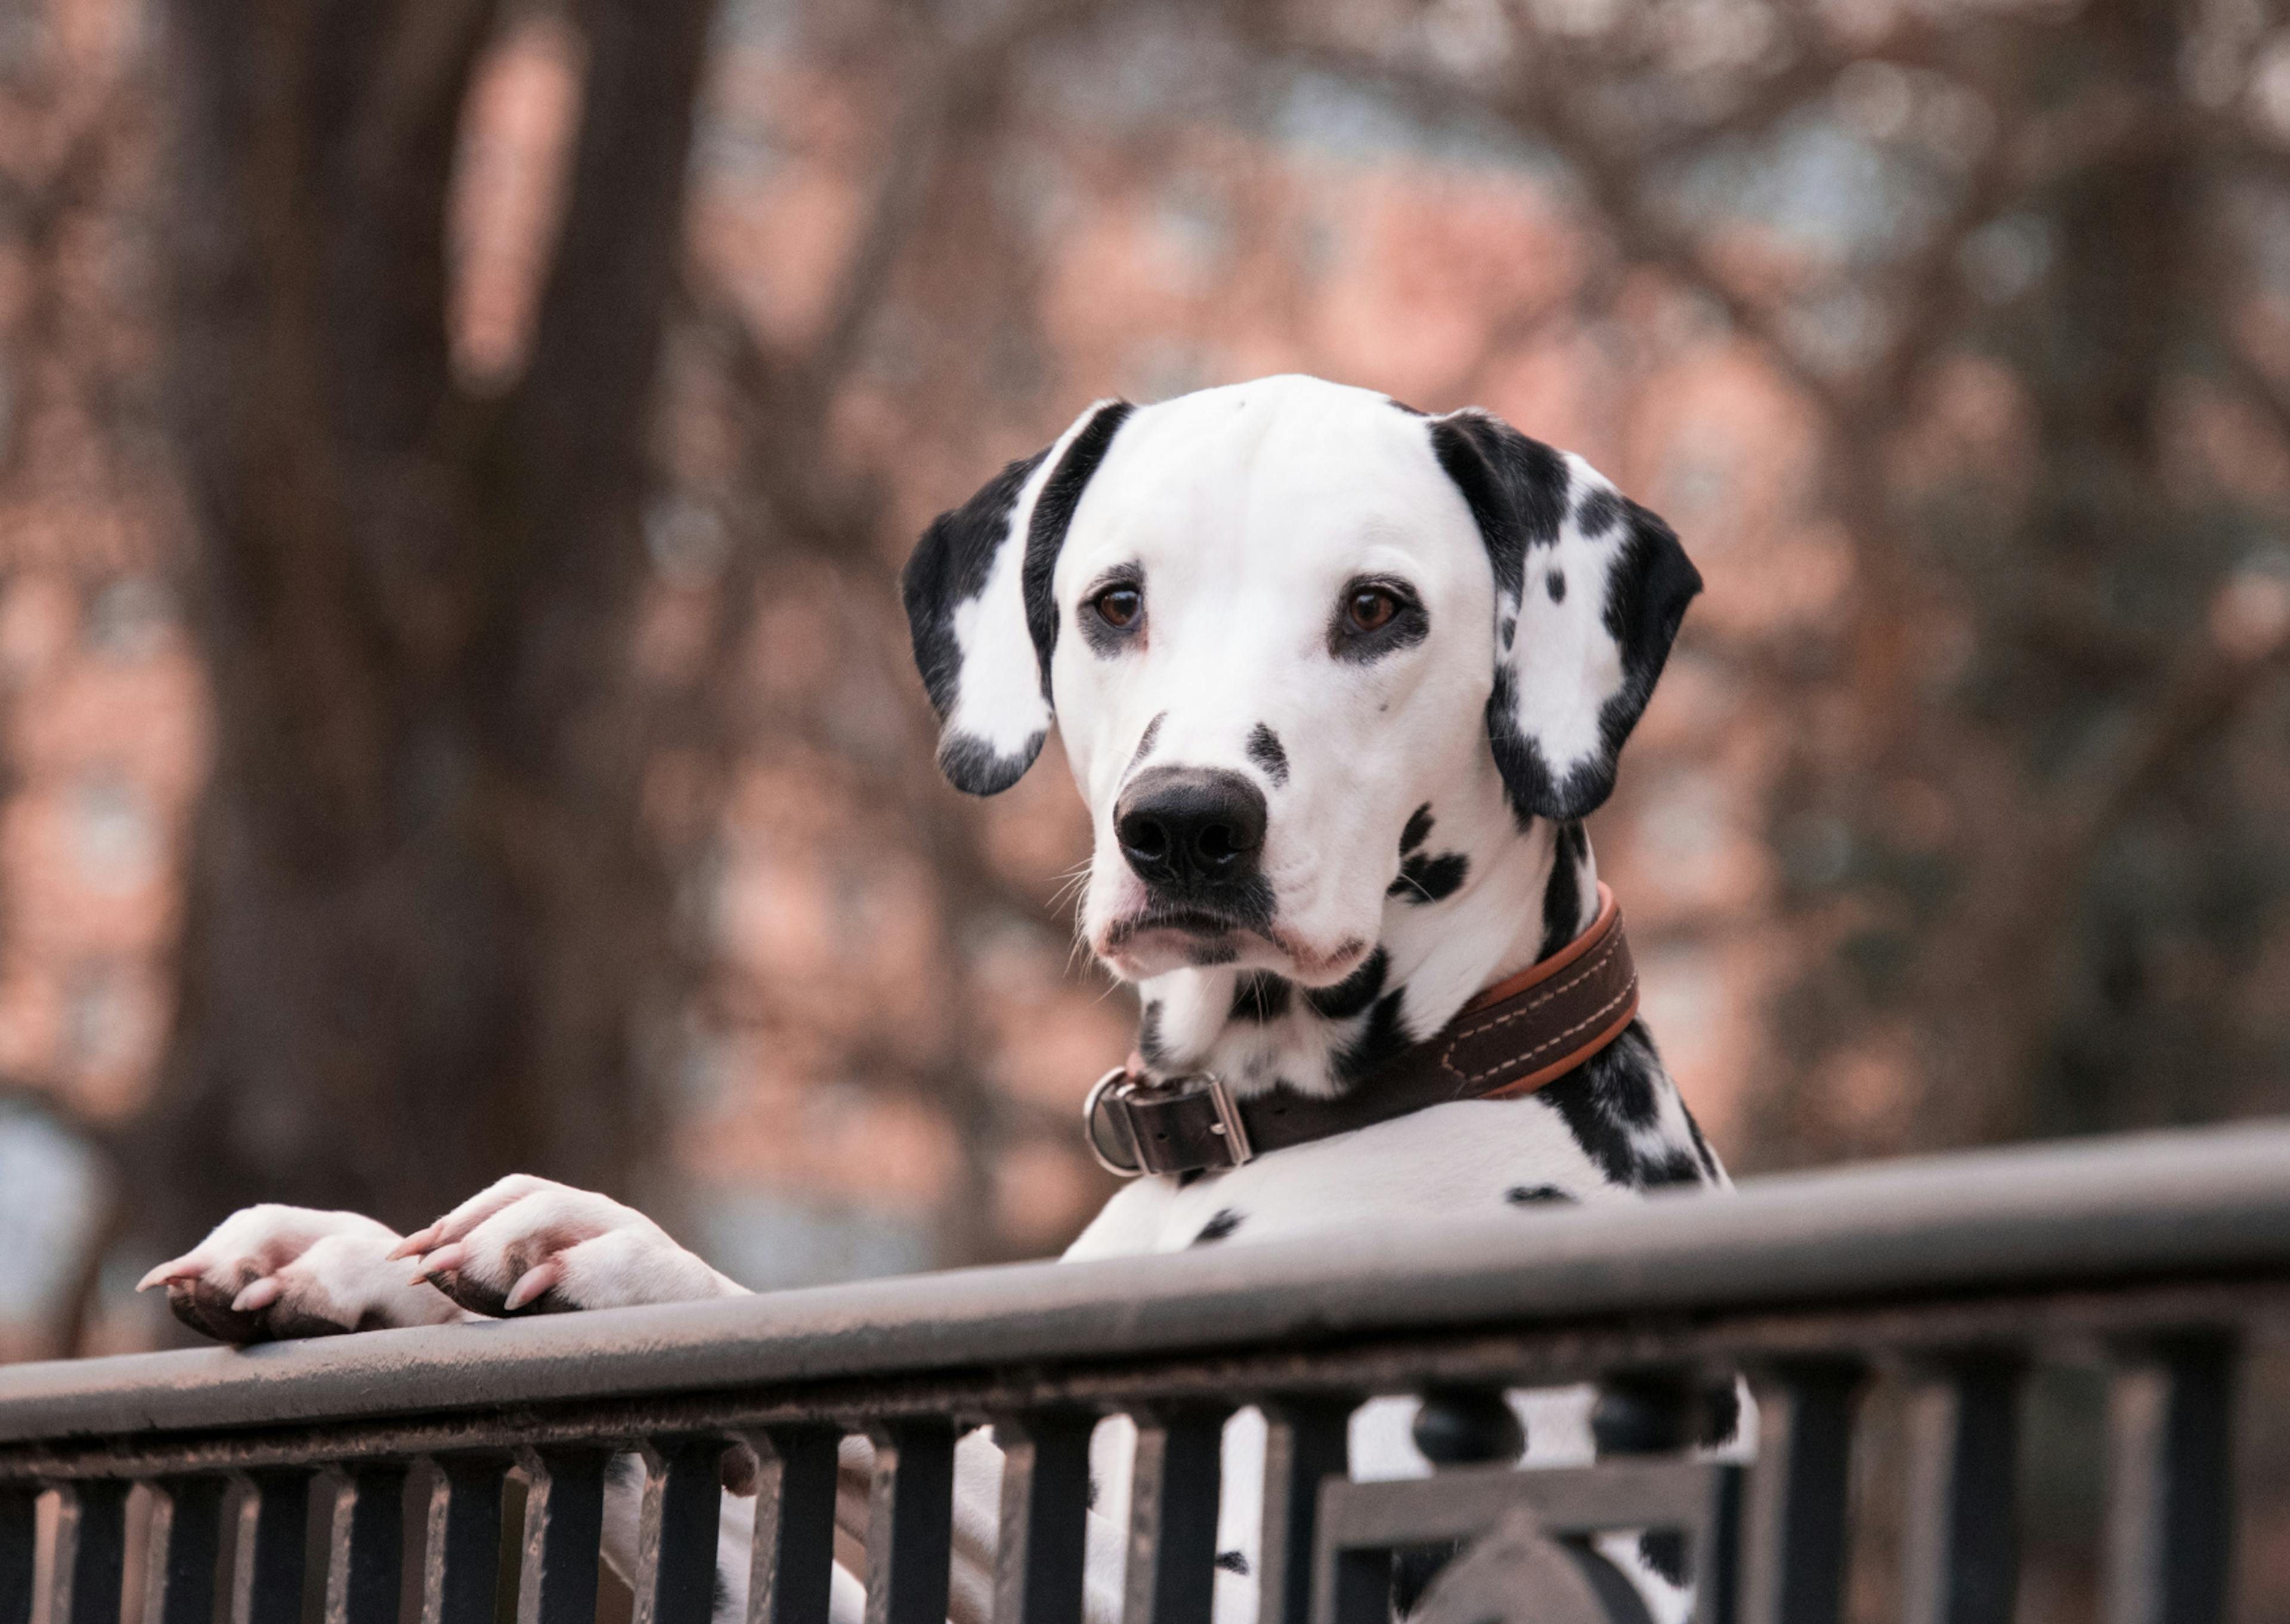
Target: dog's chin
(1142,946)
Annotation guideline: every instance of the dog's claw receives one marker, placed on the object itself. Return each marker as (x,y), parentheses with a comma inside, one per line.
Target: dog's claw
(445,1260)
(412,1245)
(531,1284)
(258,1296)
(187,1267)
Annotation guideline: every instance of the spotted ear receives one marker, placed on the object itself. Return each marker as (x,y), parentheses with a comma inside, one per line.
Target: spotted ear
(1589,589)
(979,606)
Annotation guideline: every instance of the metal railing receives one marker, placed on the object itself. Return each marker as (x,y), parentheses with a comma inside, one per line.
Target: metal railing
(2159,1258)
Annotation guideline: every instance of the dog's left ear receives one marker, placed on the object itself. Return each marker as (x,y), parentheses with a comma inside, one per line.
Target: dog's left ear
(1589,589)
(980,609)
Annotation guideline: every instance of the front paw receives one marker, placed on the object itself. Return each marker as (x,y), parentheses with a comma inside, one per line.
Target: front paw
(276,1273)
(527,1245)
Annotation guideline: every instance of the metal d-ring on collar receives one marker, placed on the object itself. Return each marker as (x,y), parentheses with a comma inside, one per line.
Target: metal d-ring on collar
(1110,1104)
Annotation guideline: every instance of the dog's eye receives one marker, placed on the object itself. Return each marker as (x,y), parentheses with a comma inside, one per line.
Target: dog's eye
(1370,608)
(1118,605)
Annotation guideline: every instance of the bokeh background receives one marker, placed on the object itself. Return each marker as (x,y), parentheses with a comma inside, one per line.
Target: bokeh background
(455,455)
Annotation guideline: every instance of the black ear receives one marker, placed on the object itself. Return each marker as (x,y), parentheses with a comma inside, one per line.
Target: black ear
(980,607)
(1589,589)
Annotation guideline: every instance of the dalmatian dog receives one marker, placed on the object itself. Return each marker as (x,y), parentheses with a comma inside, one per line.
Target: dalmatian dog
(1339,682)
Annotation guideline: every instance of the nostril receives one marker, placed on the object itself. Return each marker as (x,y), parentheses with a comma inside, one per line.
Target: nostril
(1145,836)
(1215,844)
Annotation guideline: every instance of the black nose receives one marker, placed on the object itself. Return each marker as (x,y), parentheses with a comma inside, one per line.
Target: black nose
(1188,826)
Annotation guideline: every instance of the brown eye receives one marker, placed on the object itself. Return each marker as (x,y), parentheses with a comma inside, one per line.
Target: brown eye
(1118,605)
(1370,608)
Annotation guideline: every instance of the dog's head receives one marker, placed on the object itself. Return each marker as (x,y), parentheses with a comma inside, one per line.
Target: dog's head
(1271,622)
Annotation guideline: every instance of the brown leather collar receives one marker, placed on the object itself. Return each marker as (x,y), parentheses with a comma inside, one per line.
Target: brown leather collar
(1507,1042)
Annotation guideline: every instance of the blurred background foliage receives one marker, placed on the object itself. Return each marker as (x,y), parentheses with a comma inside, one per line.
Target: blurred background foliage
(455,456)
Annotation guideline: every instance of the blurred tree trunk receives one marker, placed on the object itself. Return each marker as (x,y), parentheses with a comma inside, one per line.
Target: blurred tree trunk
(426,934)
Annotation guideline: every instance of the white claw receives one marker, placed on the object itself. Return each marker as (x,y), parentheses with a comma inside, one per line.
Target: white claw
(260,1295)
(531,1284)
(167,1274)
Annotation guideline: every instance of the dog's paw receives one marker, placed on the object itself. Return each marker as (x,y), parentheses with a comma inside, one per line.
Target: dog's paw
(527,1245)
(273,1274)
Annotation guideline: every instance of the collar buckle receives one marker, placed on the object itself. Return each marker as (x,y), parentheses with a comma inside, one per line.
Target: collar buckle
(1189,1124)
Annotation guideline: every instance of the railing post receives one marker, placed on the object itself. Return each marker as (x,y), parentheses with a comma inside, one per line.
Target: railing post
(460,1558)
(792,1575)
(268,1555)
(2171,1511)
(564,1528)
(19,1507)
(365,1546)
(1038,1562)
(1793,1561)
(911,1522)
(1173,1515)
(1961,1551)
(181,1550)
(1307,1440)
(90,1551)
(675,1540)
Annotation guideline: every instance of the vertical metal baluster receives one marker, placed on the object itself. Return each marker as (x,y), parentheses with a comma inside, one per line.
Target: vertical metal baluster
(563,1531)
(90,1551)
(1793,1568)
(266,1575)
(675,1542)
(1173,1516)
(910,1523)
(19,1546)
(1961,1551)
(2171,1492)
(1306,1441)
(460,1554)
(184,1542)
(1038,1562)
(794,1559)
(365,1546)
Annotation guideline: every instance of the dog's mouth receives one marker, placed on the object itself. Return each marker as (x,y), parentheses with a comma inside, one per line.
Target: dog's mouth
(1201,923)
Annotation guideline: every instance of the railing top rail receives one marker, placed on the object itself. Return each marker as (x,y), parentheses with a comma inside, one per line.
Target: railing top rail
(2205,1204)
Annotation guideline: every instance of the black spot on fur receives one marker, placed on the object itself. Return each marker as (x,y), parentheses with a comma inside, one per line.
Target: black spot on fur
(1671,1167)
(1599,512)
(1149,1038)
(1562,897)
(1379,1042)
(1353,994)
(1233,1562)
(1663,1549)
(1612,1093)
(1218,1227)
(1536,1195)
(1264,750)
(949,567)
(1146,740)
(1429,879)
(976,767)
(1090,1497)
(1209,955)
(1053,511)
(1404,406)
(1260,997)
(1701,1146)
(1417,829)
(1517,489)
(1555,584)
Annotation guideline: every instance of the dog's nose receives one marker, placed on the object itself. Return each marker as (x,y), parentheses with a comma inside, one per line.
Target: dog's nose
(1189,826)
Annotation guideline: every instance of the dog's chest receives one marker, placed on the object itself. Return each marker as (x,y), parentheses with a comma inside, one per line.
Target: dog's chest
(1473,1157)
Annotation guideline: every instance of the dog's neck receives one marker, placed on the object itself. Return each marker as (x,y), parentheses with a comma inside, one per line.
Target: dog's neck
(1478,898)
